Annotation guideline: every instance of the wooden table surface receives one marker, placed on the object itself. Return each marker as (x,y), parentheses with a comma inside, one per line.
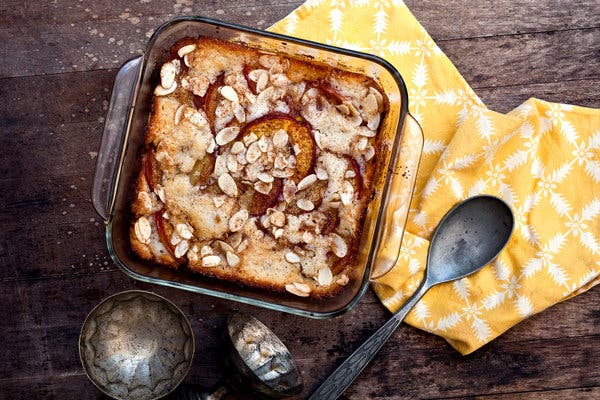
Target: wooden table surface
(58,63)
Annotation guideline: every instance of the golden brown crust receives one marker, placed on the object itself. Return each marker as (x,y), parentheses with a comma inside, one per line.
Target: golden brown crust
(198,177)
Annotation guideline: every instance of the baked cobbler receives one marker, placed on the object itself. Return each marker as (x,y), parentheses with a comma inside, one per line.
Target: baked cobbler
(257,169)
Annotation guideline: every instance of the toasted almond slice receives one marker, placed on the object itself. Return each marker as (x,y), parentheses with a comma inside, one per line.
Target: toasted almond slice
(292,257)
(347,193)
(343,108)
(237,220)
(277,233)
(195,117)
(186,60)
(184,230)
(280,138)
(220,166)
(232,259)
(226,135)
(263,144)
(143,230)
(317,137)
(175,238)
(342,280)
(218,201)
(293,290)
(178,114)
(168,72)
(255,74)
(307,181)
(264,220)
(237,148)
(279,79)
(280,162)
(369,153)
(308,237)
(247,139)
(289,190)
(161,91)
(263,176)
(338,245)
(263,187)
(350,174)
(262,82)
(322,174)
(227,185)
(268,60)
(242,246)
(370,105)
(224,246)
(181,248)
(229,93)
(232,164)
(305,204)
(192,254)
(166,215)
(146,201)
(277,173)
(253,153)
(366,132)
(212,146)
(198,85)
(211,261)
(235,239)
(206,250)
(183,50)
(362,144)
(239,113)
(373,122)
(378,97)
(303,287)
(325,277)
(277,218)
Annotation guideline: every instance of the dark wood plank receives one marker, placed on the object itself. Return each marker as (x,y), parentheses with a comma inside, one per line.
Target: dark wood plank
(589,393)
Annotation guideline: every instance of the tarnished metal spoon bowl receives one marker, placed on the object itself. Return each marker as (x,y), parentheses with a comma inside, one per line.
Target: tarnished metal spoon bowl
(136,345)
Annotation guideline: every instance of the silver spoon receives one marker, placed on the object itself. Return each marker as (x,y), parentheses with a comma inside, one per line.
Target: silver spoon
(469,237)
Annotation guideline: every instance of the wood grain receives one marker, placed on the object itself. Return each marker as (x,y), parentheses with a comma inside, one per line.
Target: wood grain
(59,61)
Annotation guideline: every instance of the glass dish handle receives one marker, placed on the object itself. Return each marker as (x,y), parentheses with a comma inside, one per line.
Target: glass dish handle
(399,197)
(113,135)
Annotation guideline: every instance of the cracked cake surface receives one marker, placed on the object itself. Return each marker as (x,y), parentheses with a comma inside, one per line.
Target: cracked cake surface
(257,169)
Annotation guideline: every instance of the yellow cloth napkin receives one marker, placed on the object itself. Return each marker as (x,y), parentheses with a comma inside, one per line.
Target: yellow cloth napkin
(542,158)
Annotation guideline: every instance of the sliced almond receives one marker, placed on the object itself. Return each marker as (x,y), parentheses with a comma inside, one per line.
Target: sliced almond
(237,148)
(198,85)
(277,218)
(181,248)
(224,246)
(303,287)
(253,153)
(206,251)
(370,105)
(307,181)
(184,230)
(373,122)
(186,60)
(280,162)
(195,117)
(305,204)
(263,176)
(232,164)
(235,239)
(178,114)
(183,50)
(226,135)
(325,277)
(265,222)
(255,74)
(268,60)
(366,132)
(192,254)
(212,146)
(220,166)
(279,79)
(317,137)
(369,153)
(322,174)
(350,174)
(342,108)
(362,144)
(347,193)
(161,91)
(175,239)
(293,290)
(263,187)
(145,201)
(247,139)
(308,237)
(292,257)
(263,144)
(239,113)
(277,173)
(237,220)
(166,215)
(232,259)
(229,93)
(218,201)
(262,82)
(338,245)
(342,280)
(277,233)
(211,261)
(280,138)
(378,97)
(242,246)
(241,159)
(143,230)
(168,72)
(289,190)
(227,185)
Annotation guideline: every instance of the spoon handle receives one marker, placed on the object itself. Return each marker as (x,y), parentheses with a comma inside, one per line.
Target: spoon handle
(345,374)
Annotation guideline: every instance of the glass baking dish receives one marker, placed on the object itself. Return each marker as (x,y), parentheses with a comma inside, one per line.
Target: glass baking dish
(118,165)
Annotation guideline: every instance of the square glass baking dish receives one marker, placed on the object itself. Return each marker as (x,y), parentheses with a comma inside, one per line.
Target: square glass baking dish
(118,165)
